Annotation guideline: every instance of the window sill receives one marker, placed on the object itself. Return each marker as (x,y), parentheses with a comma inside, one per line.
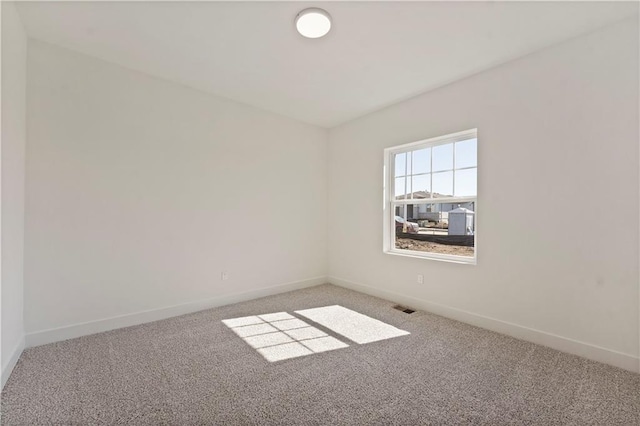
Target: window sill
(433,256)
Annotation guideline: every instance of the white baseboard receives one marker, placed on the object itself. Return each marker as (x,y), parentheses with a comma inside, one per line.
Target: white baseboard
(564,344)
(77,330)
(11,363)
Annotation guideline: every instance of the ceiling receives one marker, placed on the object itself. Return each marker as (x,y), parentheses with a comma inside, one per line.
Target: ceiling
(377,54)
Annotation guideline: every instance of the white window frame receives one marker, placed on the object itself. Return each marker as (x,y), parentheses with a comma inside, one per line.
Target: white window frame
(389,230)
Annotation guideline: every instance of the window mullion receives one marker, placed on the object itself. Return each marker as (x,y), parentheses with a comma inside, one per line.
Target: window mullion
(406,176)
(448,200)
(454,169)
(431,172)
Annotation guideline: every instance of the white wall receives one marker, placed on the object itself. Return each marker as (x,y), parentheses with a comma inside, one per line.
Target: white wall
(558,198)
(13,137)
(140,192)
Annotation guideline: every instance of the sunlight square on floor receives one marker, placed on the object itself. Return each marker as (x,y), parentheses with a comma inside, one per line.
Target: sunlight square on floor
(286,351)
(268,339)
(353,325)
(305,333)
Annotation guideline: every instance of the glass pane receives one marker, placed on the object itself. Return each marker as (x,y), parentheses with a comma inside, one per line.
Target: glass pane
(400,164)
(442,184)
(422,161)
(403,221)
(400,188)
(433,228)
(443,157)
(432,220)
(400,212)
(421,186)
(466,183)
(467,153)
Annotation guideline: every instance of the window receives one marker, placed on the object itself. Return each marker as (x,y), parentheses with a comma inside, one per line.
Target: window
(430,192)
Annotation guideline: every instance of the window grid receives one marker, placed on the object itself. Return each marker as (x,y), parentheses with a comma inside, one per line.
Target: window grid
(409,175)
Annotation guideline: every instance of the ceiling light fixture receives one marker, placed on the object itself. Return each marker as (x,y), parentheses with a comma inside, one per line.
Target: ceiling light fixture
(313,22)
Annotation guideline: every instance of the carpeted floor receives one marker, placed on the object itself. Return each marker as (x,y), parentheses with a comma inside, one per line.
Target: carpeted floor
(194,370)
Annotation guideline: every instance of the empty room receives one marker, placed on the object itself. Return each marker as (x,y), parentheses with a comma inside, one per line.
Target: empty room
(331,213)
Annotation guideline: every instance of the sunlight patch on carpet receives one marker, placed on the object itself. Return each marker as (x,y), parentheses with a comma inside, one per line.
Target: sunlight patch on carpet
(351,324)
(280,335)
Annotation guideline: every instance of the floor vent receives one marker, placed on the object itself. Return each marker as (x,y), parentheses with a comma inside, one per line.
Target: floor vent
(404,309)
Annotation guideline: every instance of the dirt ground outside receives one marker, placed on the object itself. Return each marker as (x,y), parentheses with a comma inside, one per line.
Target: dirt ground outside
(409,244)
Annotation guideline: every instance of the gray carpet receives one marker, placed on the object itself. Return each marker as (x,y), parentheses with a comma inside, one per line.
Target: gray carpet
(194,370)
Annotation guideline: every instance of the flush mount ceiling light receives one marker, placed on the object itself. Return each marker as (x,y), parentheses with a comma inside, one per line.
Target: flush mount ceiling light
(313,22)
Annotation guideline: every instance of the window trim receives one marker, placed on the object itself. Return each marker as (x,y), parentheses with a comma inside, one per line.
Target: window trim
(388,178)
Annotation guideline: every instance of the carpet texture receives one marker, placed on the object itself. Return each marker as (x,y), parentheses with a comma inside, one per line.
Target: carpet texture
(194,370)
